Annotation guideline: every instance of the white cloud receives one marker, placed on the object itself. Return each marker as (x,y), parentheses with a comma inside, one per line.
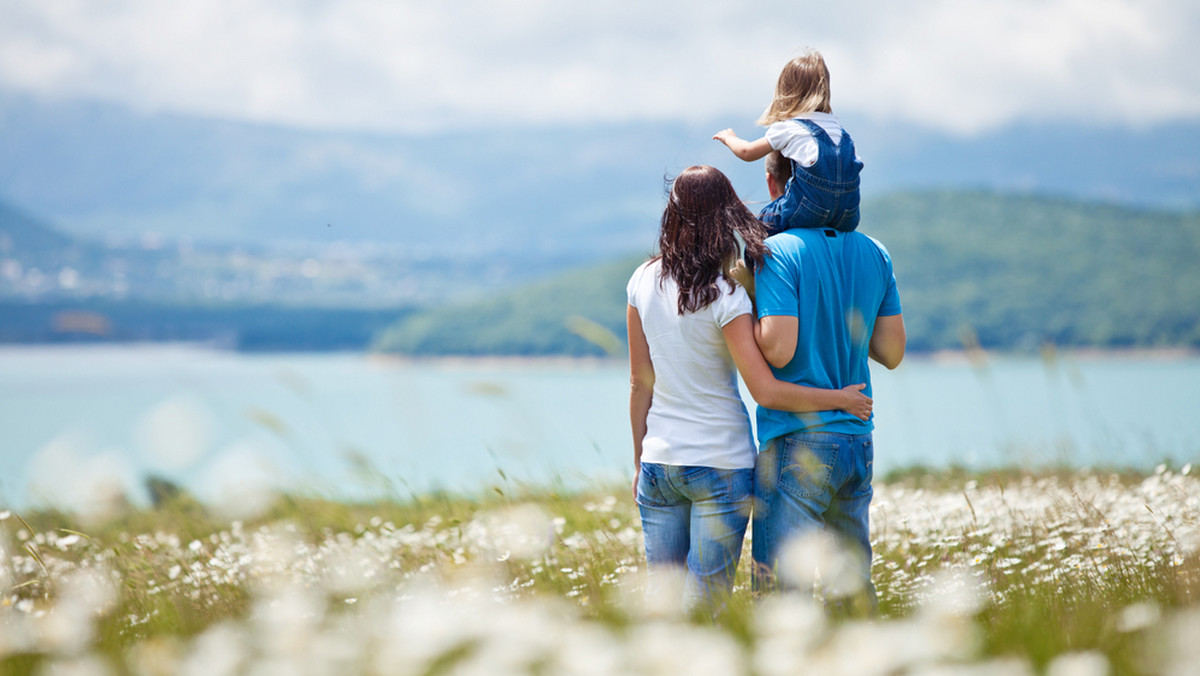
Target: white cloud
(974,65)
(967,65)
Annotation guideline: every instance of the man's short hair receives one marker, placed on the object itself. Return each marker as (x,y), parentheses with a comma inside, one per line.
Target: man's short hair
(779,167)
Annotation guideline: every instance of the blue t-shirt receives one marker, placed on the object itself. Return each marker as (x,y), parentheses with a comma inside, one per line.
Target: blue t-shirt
(835,284)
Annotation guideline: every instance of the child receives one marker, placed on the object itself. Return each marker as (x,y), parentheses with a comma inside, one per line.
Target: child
(823,190)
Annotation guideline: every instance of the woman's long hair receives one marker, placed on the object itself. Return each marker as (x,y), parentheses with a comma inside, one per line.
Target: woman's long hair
(699,235)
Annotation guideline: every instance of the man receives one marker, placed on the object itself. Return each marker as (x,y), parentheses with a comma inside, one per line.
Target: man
(779,171)
(826,301)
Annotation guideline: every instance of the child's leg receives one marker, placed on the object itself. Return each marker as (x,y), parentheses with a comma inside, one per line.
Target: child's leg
(846,215)
(808,215)
(772,216)
(848,222)
(804,205)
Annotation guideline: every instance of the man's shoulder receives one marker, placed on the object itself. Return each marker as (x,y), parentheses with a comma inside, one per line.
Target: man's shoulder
(802,243)
(801,239)
(868,242)
(794,238)
(789,245)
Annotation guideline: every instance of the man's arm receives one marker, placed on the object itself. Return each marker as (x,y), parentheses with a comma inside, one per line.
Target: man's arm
(776,336)
(780,395)
(888,341)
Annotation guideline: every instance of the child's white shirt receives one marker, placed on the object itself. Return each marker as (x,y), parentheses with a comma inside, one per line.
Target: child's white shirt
(796,142)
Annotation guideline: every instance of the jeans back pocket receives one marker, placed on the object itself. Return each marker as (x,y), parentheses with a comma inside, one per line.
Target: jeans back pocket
(806,468)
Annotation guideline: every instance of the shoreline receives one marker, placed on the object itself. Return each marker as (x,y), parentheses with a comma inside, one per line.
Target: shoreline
(1058,354)
(938,356)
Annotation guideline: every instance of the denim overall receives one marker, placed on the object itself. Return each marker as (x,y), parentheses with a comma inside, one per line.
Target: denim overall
(824,195)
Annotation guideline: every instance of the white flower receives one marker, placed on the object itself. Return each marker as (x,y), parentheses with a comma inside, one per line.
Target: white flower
(1078,664)
(817,555)
(1137,617)
(524,532)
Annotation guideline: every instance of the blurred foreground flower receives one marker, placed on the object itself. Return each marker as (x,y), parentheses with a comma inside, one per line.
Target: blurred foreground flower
(522,532)
(559,586)
(817,557)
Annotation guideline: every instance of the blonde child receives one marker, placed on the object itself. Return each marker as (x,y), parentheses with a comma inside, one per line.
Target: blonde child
(823,189)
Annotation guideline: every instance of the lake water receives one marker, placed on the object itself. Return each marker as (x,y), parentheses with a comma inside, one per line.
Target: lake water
(77,420)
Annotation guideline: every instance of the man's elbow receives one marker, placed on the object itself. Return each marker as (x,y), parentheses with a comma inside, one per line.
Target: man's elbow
(776,357)
(888,341)
(890,360)
(776,339)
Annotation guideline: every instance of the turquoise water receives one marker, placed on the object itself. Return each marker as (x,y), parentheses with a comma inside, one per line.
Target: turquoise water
(81,419)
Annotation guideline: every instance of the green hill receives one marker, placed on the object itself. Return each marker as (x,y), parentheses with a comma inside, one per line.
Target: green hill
(579,313)
(1012,272)
(1020,271)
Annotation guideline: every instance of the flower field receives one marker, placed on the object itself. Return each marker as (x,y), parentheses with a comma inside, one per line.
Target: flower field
(1081,574)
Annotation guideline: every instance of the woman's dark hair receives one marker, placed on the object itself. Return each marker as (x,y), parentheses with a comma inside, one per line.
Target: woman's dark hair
(697,239)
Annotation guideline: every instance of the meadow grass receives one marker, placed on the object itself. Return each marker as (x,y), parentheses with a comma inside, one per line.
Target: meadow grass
(1064,573)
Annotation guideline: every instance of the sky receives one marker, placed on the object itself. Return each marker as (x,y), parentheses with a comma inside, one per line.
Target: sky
(417,66)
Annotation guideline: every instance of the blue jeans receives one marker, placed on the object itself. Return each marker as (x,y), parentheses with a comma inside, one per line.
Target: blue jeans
(694,518)
(812,480)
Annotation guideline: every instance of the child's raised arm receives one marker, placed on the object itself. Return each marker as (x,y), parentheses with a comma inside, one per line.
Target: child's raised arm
(746,150)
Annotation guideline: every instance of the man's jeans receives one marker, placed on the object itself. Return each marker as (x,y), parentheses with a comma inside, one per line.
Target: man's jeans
(808,481)
(694,519)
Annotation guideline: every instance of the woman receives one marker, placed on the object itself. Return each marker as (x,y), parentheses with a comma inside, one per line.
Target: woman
(689,327)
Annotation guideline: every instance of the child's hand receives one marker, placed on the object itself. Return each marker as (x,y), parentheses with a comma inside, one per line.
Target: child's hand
(746,150)
(724,136)
(857,404)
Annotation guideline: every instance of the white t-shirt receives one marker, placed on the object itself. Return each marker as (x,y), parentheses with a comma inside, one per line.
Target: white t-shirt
(696,416)
(796,142)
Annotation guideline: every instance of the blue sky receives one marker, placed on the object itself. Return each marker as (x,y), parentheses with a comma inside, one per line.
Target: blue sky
(965,66)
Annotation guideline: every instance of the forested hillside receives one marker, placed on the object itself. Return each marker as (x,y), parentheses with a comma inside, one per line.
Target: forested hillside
(576,314)
(1020,271)
(1012,272)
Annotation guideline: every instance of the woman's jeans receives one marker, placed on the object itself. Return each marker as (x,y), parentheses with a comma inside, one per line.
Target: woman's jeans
(694,519)
(810,481)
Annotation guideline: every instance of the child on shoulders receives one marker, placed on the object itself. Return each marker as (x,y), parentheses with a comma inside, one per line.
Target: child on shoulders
(823,191)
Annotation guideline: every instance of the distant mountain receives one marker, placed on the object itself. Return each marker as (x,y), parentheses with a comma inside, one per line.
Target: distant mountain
(35,254)
(1002,271)
(41,264)
(586,193)
(56,288)
(101,170)
(22,233)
